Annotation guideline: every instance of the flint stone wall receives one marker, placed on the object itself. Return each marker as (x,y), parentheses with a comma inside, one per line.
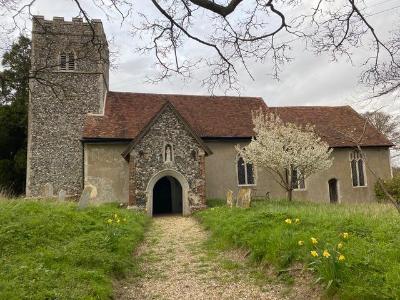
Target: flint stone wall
(149,160)
(60,100)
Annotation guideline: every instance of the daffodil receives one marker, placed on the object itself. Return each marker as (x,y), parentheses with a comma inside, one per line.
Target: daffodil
(297,221)
(109,221)
(341,257)
(288,221)
(118,220)
(326,254)
(345,235)
(300,243)
(314,241)
(314,253)
(340,246)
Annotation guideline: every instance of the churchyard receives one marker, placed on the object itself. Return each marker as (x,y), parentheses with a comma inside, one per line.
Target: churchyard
(55,249)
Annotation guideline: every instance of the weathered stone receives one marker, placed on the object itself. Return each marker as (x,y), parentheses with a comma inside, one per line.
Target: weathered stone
(61,195)
(57,109)
(85,197)
(244,197)
(148,158)
(229,198)
(48,190)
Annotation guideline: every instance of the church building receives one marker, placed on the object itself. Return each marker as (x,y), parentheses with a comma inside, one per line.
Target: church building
(167,153)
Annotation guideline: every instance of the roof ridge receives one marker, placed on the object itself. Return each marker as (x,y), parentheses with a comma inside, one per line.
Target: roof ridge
(190,95)
(311,106)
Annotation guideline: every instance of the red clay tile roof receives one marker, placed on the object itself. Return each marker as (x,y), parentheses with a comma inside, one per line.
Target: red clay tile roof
(339,126)
(126,114)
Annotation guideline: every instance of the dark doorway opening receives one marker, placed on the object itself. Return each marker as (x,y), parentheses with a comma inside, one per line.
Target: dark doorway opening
(167,196)
(333,190)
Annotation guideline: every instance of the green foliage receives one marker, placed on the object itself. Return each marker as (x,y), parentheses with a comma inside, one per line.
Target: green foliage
(370,269)
(215,202)
(392,186)
(14,95)
(50,250)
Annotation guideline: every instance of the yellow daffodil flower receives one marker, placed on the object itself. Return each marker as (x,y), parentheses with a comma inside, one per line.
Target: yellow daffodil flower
(345,235)
(340,246)
(341,257)
(300,243)
(314,241)
(109,221)
(297,221)
(118,220)
(288,221)
(326,254)
(314,253)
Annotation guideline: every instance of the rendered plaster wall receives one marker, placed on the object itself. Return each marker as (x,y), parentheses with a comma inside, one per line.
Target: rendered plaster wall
(59,101)
(107,171)
(221,175)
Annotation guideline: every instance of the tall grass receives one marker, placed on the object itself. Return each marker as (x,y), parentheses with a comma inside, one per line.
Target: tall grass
(370,264)
(50,250)
(5,193)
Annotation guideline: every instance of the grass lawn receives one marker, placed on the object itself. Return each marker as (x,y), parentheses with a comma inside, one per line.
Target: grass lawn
(51,250)
(365,237)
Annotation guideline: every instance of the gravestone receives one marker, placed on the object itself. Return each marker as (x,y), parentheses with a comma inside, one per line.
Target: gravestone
(61,195)
(229,198)
(48,190)
(85,197)
(244,197)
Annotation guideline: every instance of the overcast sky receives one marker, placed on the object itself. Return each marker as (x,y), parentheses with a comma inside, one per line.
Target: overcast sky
(308,80)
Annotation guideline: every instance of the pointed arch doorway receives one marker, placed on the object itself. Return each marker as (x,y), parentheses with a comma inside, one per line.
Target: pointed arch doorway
(167,192)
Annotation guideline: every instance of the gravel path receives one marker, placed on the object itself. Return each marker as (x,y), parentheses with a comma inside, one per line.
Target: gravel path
(176,266)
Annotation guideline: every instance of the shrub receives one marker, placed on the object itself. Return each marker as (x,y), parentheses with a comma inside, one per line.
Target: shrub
(392,186)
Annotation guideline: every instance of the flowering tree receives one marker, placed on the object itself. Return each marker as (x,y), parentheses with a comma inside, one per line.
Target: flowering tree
(291,153)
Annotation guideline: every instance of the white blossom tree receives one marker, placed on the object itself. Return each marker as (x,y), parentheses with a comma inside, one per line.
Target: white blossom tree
(290,153)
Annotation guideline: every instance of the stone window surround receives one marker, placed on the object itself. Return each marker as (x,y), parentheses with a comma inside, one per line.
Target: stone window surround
(67,53)
(357,156)
(237,174)
(300,181)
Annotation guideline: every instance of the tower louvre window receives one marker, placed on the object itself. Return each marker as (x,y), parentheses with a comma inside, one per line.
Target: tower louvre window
(71,61)
(63,61)
(67,61)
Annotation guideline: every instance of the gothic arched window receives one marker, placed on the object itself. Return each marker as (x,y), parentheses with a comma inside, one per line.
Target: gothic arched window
(298,182)
(245,172)
(357,168)
(168,153)
(67,61)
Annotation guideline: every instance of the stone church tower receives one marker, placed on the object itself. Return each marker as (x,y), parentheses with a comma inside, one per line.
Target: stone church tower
(70,66)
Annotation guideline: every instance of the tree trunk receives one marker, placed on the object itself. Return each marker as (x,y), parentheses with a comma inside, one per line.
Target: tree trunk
(290,194)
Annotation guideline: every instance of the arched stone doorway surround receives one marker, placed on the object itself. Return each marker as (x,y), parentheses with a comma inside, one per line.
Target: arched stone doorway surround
(178,176)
